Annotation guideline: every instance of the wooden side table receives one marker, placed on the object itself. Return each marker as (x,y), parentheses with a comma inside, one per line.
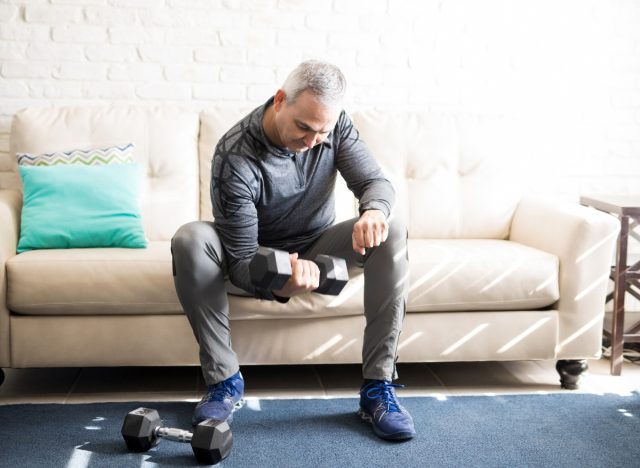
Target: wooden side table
(626,278)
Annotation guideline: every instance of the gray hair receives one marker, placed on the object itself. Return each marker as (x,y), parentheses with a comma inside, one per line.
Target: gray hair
(324,80)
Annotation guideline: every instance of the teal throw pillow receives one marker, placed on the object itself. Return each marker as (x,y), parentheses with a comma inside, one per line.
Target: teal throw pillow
(76,206)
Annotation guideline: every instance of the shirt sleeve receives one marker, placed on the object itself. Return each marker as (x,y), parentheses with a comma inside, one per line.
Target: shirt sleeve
(234,192)
(362,173)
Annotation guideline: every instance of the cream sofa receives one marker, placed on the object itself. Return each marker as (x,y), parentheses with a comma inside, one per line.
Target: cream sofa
(494,275)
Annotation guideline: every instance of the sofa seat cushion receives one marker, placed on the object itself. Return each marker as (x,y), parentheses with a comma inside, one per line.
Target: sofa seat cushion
(480,274)
(446,275)
(96,281)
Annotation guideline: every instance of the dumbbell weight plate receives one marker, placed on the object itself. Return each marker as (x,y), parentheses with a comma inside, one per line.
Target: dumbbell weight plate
(139,427)
(270,269)
(334,274)
(212,441)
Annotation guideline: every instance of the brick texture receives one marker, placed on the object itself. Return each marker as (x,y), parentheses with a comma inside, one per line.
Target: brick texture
(564,77)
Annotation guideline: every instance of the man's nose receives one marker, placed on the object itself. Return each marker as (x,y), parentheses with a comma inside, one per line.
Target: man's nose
(311,139)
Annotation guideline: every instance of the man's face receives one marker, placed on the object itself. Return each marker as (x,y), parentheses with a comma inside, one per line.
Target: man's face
(304,123)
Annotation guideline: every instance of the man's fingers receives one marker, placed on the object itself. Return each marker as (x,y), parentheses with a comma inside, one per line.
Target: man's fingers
(358,248)
(371,230)
(308,275)
(376,233)
(305,274)
(357,242)
(373,233)
(297,272)
(315,275)
(368,235)
(385,231)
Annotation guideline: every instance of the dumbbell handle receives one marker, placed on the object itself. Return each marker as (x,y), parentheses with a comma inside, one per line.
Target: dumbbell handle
(175,434)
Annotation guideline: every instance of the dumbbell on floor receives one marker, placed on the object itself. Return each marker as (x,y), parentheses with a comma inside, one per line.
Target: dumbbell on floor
(271,268)
(211,440)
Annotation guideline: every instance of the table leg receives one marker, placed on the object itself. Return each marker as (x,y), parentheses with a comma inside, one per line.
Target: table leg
(620,287)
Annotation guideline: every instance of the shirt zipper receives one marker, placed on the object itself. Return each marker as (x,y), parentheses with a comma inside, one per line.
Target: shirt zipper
(297,160)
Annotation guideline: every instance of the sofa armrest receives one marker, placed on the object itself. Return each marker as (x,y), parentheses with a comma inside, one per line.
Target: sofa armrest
(583,239)
(10,205)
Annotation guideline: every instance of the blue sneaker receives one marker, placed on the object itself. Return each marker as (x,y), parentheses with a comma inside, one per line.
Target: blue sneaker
(221,400)
(379,406)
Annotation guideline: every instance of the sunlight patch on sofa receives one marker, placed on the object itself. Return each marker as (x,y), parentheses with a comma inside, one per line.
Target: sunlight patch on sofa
(598,282)
(503,275)
(551,279)
(427,276)
(442,280)
(412,338)
(344,347)
(464,339)
(523,335)
(590,324)
(323,348)
(596,246)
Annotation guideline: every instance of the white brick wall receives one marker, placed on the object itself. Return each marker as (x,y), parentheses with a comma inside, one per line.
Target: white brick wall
(563,75)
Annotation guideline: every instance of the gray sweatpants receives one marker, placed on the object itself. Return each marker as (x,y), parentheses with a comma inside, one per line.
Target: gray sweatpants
(200,274)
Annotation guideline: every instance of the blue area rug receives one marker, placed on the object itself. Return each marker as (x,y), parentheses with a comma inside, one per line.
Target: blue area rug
(556,430)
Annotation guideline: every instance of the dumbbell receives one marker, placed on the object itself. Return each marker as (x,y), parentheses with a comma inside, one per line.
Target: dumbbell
(334,274)
(211,440)
(271,268)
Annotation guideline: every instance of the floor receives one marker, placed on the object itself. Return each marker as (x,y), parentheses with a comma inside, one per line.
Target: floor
(87,385)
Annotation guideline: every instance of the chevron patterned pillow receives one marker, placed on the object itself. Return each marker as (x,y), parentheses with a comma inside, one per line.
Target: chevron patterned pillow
(91,157)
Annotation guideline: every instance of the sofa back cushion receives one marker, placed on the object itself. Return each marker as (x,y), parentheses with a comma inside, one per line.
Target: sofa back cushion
(452,174)
(165,142)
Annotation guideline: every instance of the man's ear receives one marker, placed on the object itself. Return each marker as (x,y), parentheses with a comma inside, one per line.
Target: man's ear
(279,100)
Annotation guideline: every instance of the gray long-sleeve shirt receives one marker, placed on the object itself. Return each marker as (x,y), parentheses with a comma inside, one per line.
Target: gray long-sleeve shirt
(270,196)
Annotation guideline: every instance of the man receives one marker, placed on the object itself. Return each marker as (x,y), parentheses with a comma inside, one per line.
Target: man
(273,176)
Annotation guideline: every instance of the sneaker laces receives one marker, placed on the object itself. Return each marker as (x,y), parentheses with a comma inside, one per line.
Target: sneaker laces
(384,390)
(221,390)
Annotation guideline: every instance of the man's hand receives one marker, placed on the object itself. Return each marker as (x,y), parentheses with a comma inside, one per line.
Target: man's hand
(370,230)
(305,277)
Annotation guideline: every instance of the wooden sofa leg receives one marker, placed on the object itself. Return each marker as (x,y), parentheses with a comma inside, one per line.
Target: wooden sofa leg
(570,371)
